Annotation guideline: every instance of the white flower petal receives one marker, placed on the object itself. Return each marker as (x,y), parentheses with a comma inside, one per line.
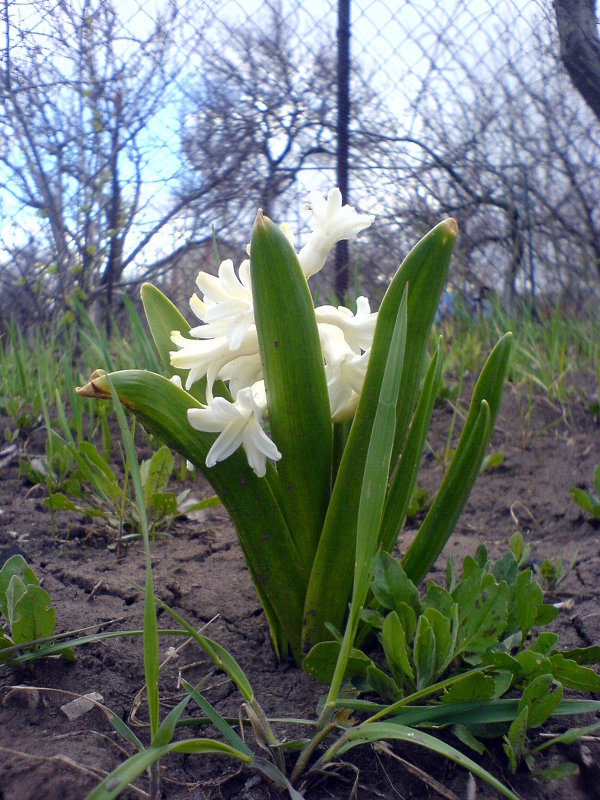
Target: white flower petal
(332,223)
(358,328)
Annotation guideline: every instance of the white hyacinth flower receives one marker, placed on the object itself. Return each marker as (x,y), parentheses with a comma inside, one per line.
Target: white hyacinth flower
(345,372)
(332,223)
(176,381)
(237,423)
(358,328)
(209,356)
(226,307)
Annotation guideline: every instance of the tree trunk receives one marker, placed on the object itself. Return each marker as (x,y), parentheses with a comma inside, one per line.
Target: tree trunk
(580,47)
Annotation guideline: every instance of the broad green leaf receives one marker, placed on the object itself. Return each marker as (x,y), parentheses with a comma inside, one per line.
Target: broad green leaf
(583,655)
(163,318)
(58,502)
(546,613)
(527,597)
(440,599)
(408,620)
(540,698)
(514,741)
(473,686)
(445,631)
(482,612)
(464,735)
(264,537)
(566,769)
(532,664)
(545,644)
(162,505)
(574,676)
(424,653)
(381,684)
(390,585)
(155,472)
(464,468)
(322,658)
(506,569)
(294,375)
(32,615)
(395,647)
(425,269)
(584,499)
(15,565)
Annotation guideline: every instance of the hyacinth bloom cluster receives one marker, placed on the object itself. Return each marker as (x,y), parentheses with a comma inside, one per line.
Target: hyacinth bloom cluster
(225,345)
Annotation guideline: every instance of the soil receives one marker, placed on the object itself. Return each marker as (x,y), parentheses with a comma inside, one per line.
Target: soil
(199,570)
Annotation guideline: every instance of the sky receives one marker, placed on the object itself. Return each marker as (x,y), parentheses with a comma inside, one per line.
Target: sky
(388,37)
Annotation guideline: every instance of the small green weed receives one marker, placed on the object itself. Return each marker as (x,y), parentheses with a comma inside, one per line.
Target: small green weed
(26,610)
(587,500)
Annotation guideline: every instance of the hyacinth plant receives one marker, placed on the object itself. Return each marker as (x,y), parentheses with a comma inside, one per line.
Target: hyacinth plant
(309,422)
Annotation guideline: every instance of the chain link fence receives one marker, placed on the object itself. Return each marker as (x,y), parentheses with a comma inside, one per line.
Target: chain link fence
(130,129)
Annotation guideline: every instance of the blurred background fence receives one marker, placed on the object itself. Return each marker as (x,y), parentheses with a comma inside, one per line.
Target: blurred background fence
(133,129)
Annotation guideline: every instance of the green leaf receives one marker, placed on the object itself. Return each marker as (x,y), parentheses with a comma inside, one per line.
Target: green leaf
(464,735)
(30,613)
(526,600)
(473,686)
(566,769)
(583,499)
(424,653)
(155,472)
(379,731)
(482,612)
(294,375)
(391,586)
(545,644)
(224,660)
(264,537)
(583,655)
(372,493)
(320,662)
(151,661)
(404,481)
(166,729)
(506,569)
(445,631)
(163,318)
(395,647)
(540,698)
(514,742)
(120,778)
(425,269)
(464,468)
(440,599)
(574,676)
(15,565)
(381,684)
(218,721)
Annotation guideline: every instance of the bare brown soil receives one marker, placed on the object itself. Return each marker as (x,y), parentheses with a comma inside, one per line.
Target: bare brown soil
(199,570)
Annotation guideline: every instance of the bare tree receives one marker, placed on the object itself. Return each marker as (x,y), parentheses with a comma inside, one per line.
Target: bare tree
(513,156)
(81,99)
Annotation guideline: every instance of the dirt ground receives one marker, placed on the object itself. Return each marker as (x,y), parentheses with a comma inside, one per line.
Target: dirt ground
(199,570)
